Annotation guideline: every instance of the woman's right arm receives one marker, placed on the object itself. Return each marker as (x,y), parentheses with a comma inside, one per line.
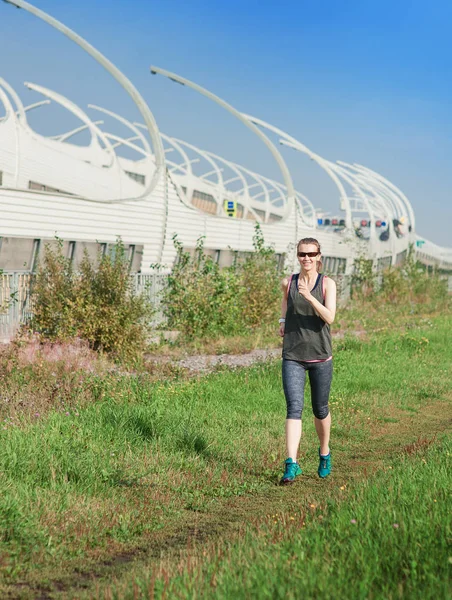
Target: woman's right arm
(284,286)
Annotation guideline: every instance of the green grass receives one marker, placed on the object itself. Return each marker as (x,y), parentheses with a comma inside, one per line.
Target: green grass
(92,480)
(389,538)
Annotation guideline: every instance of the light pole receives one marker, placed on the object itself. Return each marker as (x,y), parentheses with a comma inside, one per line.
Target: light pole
(276,154)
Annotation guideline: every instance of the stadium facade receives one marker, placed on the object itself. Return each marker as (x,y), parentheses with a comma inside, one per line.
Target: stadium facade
(89,195)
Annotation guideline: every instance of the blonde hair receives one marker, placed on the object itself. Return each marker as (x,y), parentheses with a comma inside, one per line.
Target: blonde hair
(310,240)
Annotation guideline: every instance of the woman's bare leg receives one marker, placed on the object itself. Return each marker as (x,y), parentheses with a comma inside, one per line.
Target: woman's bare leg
(323,428)
(293,436)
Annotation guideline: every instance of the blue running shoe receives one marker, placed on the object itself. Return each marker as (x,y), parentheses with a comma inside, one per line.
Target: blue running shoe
(325,465)
(292,469)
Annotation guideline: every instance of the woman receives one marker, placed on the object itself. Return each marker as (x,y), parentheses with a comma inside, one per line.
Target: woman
(308,309)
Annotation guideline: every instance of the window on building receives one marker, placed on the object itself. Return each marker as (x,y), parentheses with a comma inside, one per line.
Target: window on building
(205,202)
(141,179)
(40,187)
(131,254)
(334,265)
(35,255)
(71,251)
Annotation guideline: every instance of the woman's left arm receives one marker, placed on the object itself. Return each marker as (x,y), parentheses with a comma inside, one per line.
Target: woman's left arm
(326,312)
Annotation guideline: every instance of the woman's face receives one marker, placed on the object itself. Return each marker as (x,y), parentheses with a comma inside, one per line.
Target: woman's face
(308,263)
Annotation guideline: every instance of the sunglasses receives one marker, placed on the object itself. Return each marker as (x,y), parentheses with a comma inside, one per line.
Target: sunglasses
(310,254)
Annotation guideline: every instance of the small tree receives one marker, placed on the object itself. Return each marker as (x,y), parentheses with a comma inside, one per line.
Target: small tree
(97,304)
(200,299)
(261,283)
(110,315)
(53,295)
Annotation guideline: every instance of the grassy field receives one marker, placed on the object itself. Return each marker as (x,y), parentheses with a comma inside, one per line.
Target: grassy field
(130,485)
(388,538)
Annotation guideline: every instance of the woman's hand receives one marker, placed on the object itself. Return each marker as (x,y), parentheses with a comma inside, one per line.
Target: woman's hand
(281,329)
(304,289)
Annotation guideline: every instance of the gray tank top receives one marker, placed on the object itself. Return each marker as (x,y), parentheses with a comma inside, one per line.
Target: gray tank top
(306,335)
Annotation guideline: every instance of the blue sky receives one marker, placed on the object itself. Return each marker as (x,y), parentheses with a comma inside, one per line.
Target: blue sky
(355,80)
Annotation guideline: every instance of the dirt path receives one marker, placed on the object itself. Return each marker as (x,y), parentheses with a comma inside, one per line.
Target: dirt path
(188,538)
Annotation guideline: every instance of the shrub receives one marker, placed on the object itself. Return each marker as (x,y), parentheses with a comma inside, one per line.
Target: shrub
(202,300)
(261,298)
(409,283)
(363,278)
(53,295)
(97,304)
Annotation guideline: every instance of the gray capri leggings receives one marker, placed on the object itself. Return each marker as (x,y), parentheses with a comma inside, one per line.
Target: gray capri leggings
(294,377)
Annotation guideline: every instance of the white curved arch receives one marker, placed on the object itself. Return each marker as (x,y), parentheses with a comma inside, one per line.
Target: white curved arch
(123,142)
(326,166)
(342,172)
(6,103)
(259,183)
(127,123)
(17,101)
(63,137)
(210,173)
(393,210)
(309,220)
(206,157)
(80,114)
(380,194)
(183,195)
(35,105)
(384,208)
(379,188)
(397,190)
(126,85)
(276,154)
(218,189)
(181,166)
(294,143)
(134,138)
(239,177)
(10,114)
(380,202)
(181,151)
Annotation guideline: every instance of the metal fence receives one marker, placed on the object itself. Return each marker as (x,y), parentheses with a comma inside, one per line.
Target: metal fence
(16,306)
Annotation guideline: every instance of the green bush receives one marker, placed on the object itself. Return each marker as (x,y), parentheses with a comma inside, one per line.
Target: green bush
(261,284)
(97,303)
(413,283)
(202,300)
(409,283)
(53,296)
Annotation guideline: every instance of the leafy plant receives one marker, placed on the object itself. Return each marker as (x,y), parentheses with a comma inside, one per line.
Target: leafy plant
(97,304)
(202,300)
